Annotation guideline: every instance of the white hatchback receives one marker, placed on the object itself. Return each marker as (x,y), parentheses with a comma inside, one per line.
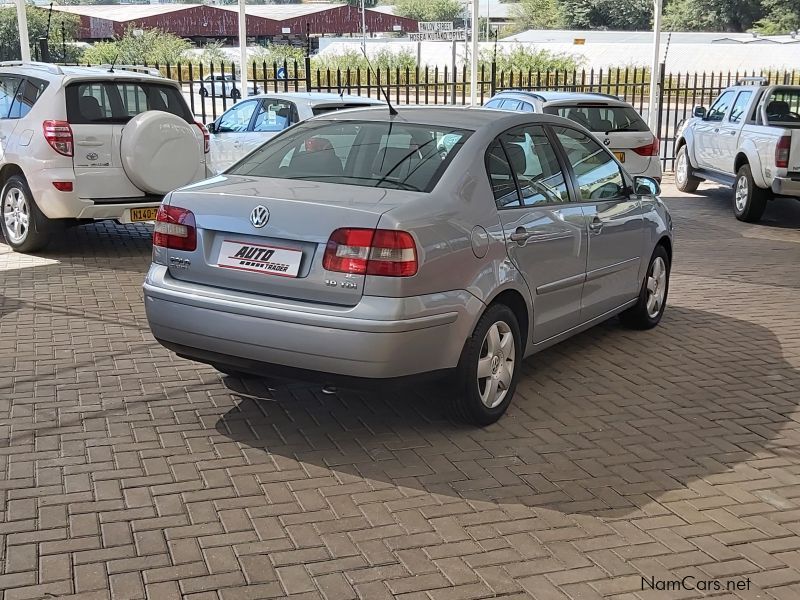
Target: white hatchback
(613,121)
(248,124)
(79,144)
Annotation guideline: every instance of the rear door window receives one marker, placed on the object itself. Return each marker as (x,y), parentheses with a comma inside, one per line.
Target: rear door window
(97,102)
(597,173)
(600,117)
(27,94)
(742,100)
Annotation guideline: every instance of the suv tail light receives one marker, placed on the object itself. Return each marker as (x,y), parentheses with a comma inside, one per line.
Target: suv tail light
(175,228)
(206,137)
(59,135)
(383,252)
(782,152)
(650,149)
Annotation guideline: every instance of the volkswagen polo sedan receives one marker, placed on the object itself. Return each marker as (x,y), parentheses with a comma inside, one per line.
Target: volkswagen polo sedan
(436,242)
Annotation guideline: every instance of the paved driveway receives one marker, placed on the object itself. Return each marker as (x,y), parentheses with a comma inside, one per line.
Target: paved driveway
(628,460)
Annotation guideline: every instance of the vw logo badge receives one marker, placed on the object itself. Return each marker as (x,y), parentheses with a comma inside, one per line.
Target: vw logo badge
(259,216)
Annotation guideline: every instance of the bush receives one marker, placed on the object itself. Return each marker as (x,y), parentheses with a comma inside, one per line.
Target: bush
(524,58)
(37,27)
(275,54)
(383,59)
(153,46)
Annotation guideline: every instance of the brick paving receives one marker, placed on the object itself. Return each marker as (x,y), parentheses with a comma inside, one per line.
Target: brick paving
(128,473)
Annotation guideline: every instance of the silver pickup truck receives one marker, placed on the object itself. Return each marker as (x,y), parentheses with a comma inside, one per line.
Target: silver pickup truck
(749,139)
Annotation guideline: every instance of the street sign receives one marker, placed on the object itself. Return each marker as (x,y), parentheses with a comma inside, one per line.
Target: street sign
(437,31)
(281,73)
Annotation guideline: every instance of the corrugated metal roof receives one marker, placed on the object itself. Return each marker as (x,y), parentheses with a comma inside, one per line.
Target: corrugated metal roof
(565,36)
(122,13)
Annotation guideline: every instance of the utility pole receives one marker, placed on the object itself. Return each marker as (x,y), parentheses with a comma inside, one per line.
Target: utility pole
(22,23)
(473,75)
(655,75)
(243,49)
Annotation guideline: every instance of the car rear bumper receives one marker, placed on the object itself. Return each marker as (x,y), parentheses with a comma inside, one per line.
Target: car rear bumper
(786,186)
(379,338)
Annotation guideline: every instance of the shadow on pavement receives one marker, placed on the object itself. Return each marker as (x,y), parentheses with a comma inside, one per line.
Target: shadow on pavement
(601,425)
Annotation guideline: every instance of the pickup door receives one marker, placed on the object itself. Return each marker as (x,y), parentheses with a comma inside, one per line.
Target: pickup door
(707,133)
(727,138)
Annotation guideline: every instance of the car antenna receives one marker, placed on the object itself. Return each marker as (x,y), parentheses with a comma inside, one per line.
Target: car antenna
(113,62)
(392,110)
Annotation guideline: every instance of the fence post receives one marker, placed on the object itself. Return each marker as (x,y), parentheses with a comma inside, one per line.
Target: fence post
(660,107)
(492,79)
(307,67)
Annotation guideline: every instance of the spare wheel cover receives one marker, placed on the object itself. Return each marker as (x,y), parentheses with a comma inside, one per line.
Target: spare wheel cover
(160,152)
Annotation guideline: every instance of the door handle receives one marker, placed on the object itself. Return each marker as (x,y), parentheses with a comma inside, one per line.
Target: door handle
(89,143)
(716,130)
(732,132)
(596,225)
(520,235)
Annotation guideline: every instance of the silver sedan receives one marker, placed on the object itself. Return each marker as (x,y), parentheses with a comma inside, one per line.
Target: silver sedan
(438,242)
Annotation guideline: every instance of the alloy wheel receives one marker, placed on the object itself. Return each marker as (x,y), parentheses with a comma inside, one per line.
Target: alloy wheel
(496,364)
(16,214)
(740,196)
(656,287)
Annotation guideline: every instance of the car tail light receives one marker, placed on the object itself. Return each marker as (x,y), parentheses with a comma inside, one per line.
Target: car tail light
(782,152)
(175,228)
(59,135)
(206,137)
(650,149)
(383,252)
(63,186)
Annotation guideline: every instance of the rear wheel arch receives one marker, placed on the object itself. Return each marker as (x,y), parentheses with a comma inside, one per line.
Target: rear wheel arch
(8,171)
(514,300)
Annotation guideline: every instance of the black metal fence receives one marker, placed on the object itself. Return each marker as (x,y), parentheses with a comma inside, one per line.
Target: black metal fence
(677,94)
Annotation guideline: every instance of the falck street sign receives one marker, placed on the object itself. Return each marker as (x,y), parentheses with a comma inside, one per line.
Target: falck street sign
(437,31)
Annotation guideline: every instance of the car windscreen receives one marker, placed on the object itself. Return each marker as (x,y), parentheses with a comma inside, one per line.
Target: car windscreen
(783,107)
(98,102)
(365,153)
(600,117)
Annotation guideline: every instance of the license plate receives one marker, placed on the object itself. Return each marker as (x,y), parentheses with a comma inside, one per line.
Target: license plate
(144,214)
(259,258)
(620,156)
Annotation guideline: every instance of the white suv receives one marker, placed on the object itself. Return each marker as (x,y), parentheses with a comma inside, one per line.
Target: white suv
(79,144)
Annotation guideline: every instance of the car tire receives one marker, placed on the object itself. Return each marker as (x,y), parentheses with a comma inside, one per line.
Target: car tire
(649,308)
(235,94)
(27,229)
(749,200)
(684,180)
(491,360)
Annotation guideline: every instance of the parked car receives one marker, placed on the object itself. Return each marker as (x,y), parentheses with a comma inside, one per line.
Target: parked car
(248,124)
(749,139)
(225,85)
(82,144)
(613,121)
(439,241)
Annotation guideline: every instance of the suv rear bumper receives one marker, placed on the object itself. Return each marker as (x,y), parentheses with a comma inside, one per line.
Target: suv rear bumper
(55,204)
(786,186)
(376,339)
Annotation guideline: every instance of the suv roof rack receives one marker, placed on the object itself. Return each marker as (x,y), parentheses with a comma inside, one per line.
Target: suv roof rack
(55,69)
(133,68)
(753,81)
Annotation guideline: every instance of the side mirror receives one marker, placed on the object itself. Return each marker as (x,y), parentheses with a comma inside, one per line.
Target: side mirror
(699,111)
(212,127)
(646,186)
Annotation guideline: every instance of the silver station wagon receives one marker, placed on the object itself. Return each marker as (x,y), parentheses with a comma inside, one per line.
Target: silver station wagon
(438,241)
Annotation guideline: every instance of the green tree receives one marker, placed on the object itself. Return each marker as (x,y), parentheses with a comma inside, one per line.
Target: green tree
(429,10)
(713,15)
(536,14)
(781,16)
(607,14)
(37,28)
(151,46)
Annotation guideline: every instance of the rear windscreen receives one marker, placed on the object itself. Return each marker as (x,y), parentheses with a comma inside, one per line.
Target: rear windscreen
(400,156)
(783,107)
(601,118)
(96,102)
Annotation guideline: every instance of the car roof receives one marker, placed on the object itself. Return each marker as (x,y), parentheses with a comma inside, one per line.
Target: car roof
(320,98)
(50,72)
(551,97)
(457,117)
